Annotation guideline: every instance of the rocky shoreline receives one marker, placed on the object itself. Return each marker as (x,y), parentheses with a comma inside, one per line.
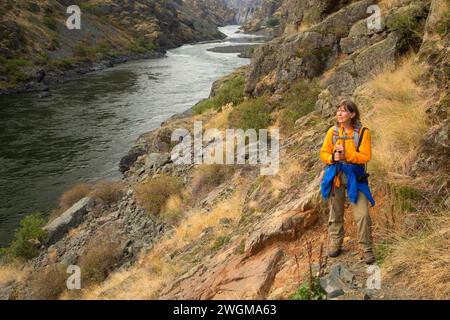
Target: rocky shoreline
(41,78)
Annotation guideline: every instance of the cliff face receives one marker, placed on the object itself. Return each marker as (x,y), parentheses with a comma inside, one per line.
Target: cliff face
(339,44)
(215,11)
(244,9)
(35,39)
(234,234)
(261,15)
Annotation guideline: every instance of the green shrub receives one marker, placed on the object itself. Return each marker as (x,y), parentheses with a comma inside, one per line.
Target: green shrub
(404,197)
(13,68)
(251,114)
(298,102)
(66,63)
(142,45)
(272,22)
(148,45)
(88,7)
(42,59)
(220,242)
(50,23)
(28,237)
(382,250)
(92,52)
(231,90)
(408,25)
(307,293)
(12,65)
(443,25)
(152,194)
(203,106)
(241,247)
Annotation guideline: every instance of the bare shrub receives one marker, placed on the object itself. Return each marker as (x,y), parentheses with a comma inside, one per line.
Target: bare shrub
(107,192)
(49,283)
(152,194)
(102,254)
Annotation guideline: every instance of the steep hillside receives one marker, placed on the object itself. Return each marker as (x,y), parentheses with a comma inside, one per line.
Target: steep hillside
(227,232)
(36,46)
(245,9)
(264,16)
(215,11)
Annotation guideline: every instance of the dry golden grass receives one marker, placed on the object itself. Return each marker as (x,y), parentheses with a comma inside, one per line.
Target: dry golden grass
(107,192)
(219,120)
(386,5)
(394,111)
(422,262)
(411,243)
(152,194)
(74,194)
(289,172)
(198,221)
(104,192)
(143,281)
(172,211)
(304,25)
(10,273)
(49,283)
(397,118)
(156,269)
(70,197)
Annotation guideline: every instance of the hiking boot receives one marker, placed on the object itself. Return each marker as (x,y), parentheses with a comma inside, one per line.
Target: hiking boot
(334,252)
(369,257)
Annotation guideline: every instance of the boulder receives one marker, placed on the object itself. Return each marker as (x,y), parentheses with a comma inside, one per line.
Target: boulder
(156,160)
(228,277)
(127,161)
(69,219)
(373,58)
(359,37)
(6,291)
(338,281)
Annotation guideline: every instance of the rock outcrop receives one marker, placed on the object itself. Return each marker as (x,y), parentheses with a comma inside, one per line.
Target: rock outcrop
(69,219)
(302,55)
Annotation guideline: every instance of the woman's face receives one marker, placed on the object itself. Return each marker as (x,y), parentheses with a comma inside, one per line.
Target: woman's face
(343,116)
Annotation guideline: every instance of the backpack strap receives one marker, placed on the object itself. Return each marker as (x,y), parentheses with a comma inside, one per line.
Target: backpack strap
(356,135)
(335,134)
(360,140)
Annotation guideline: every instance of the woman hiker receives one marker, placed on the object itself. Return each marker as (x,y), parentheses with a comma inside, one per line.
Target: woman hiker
(346,151)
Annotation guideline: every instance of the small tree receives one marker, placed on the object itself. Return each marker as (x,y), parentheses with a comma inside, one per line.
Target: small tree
(28,237)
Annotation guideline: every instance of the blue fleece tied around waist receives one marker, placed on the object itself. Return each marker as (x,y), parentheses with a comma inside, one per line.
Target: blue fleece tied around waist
(352,171)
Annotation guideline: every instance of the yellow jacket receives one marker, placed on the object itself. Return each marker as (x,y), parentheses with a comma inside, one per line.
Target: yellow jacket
(361,157)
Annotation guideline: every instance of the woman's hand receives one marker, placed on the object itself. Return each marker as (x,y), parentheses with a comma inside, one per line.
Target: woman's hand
(339,153)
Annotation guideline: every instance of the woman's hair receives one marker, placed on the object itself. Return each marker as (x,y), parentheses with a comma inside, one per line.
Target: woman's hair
(350,106)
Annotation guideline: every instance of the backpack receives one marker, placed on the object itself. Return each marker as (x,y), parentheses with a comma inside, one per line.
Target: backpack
(357,139)
(356,136)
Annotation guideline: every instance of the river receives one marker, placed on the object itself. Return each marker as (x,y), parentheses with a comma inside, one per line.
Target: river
(82,130)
